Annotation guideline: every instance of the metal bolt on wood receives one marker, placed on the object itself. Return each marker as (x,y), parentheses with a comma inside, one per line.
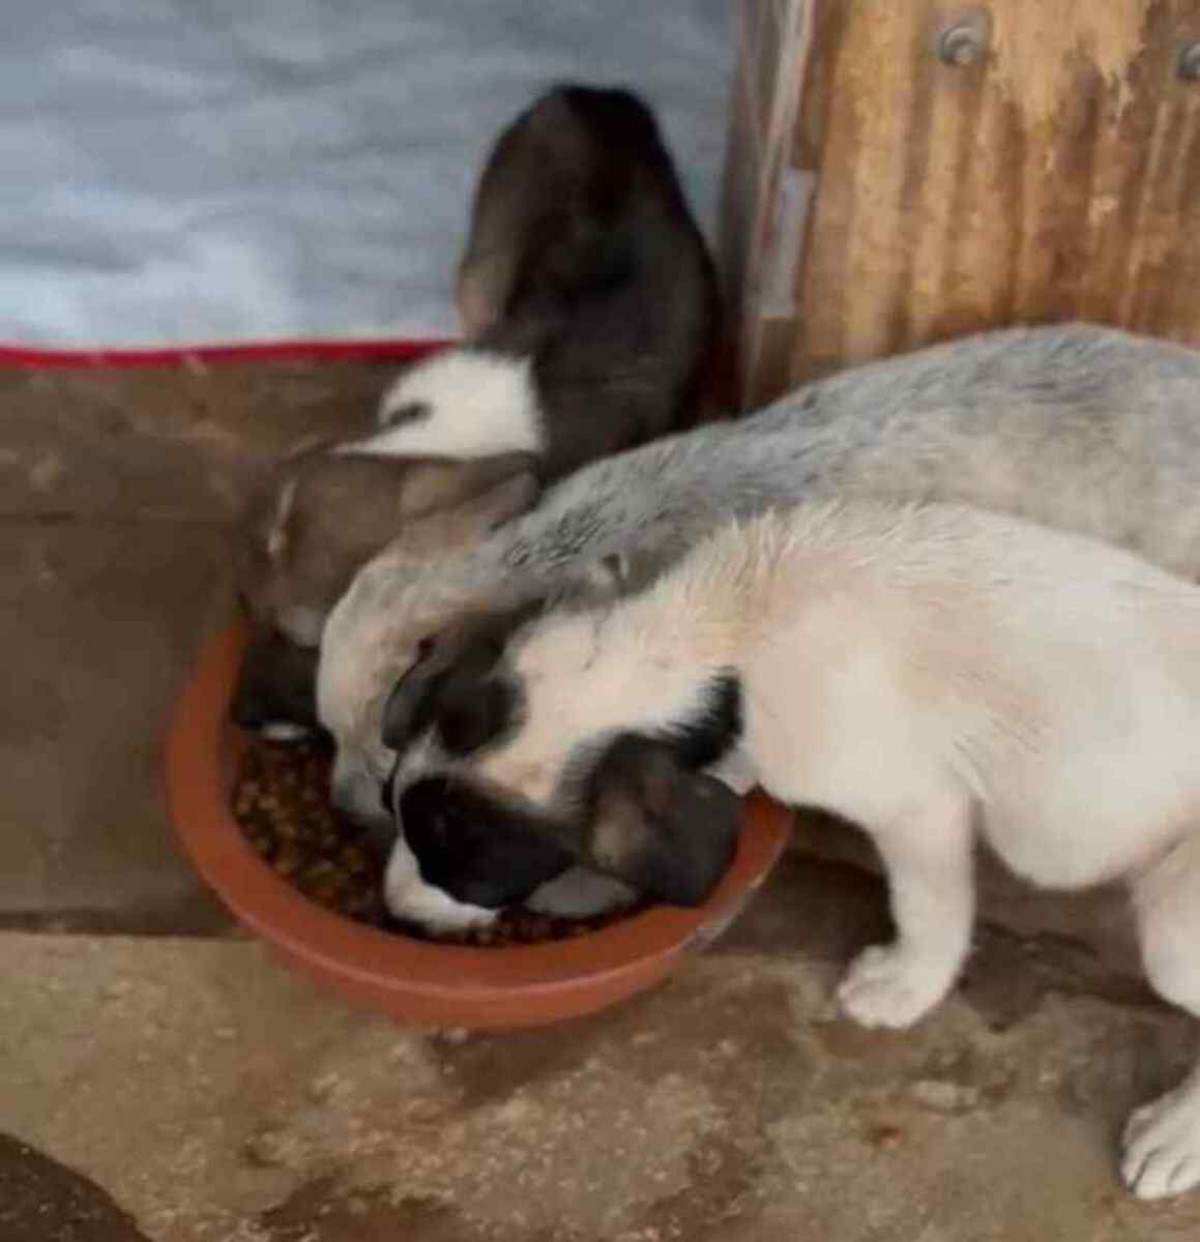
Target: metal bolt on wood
(961,46)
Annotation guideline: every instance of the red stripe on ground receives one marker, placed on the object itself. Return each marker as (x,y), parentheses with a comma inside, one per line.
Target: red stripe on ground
(259,351)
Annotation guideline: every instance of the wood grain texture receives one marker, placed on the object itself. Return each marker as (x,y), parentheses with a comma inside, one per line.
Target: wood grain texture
(1057,177)
(756,232)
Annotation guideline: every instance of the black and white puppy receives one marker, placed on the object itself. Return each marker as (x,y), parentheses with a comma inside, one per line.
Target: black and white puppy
(641,811)
(588,292)
(935,674)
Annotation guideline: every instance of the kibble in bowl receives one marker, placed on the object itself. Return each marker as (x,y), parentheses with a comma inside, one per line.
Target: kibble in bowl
(281,801)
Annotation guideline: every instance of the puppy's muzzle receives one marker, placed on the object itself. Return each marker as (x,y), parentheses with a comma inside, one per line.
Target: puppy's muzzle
(474,847)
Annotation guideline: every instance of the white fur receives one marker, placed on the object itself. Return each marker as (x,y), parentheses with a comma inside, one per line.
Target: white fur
(408,896)
(302,623)
(578,893)
(277,535)
(928,673)
(283,731)
(482,404)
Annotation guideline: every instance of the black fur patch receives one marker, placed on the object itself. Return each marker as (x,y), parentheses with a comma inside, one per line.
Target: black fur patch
(474,847)
(439,679)
(614,295)
(472,715)
(408,710)
(458,687)
(387,792)
(407,414)
(701,742)
(277,684)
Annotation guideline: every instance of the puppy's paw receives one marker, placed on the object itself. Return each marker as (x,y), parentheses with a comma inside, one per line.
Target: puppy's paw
(888,987)
(580,894)
(1161,1146)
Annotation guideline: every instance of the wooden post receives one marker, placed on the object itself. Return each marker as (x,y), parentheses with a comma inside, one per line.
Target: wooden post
(937,169)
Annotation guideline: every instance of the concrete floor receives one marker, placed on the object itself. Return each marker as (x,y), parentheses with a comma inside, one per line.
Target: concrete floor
(161,1079)
(115,493)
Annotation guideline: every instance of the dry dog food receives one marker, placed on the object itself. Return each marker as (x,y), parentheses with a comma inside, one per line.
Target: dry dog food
(281,801)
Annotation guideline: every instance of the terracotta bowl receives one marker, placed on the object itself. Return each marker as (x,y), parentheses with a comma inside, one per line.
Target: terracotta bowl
(411,981)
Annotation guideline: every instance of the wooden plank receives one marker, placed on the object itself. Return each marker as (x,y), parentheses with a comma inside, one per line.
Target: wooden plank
(1056,177)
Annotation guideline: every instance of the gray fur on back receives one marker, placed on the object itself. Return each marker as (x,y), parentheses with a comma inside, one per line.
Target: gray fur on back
(1083,428)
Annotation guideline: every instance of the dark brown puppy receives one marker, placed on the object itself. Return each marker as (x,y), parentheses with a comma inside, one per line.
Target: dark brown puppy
(583,253)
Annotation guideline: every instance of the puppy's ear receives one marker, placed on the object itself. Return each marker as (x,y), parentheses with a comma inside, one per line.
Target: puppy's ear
(408,711)
(617,574)
(605,578)
(457,687)
(497,488)
(450,506)
(657,825)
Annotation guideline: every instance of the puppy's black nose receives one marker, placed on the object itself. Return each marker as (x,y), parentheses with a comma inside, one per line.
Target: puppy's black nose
(425,802)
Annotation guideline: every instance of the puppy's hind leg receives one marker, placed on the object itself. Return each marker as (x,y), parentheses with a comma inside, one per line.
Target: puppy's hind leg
(927,855)
(1162,1139)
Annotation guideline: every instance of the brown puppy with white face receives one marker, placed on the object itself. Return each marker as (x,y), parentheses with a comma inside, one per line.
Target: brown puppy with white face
(587,292)
(315,520)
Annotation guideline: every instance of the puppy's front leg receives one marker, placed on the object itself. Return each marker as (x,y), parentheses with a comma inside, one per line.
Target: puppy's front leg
(927,856)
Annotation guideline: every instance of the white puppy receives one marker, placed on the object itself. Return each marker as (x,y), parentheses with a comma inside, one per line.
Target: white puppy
(931,673)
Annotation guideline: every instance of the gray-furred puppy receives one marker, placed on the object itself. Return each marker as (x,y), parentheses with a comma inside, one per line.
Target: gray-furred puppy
(589,297)
(1084,428)
(589,293)
(932,673)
